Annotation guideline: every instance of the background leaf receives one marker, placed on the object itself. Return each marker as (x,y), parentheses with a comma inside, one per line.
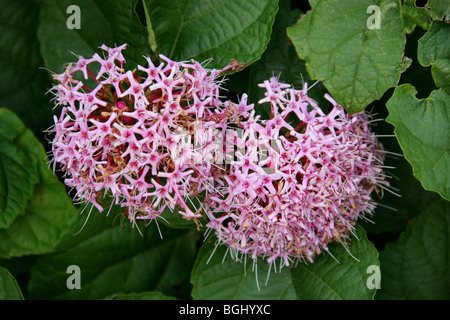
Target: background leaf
(357,64)
(394,213)
(422,128)
(416,266)
(221,278)
(37,231)
(9,289)
(22,83)
(45,214)
(327,280)
(439,9)
(280,60)
(114,258)
(219,29)
(324,279)
(434,50)
(109,22)
(19,173)
(412,16)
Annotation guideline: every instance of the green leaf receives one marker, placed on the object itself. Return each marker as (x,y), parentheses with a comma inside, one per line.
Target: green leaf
(439,9)
(416,266)
(149,295)
(434,50)
(422,128)
(357,64)
(114,258)
(412,16)
(280,60)
(33,191)
(19,173)
(325,279)
(22,83)
(393,213)
(214,277)
(9,289)
(416,74)
(109,22)
(37,231)
(221,29)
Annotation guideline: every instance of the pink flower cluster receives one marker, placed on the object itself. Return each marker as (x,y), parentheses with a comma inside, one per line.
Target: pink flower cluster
(291,191)
(144,137)
(149,139)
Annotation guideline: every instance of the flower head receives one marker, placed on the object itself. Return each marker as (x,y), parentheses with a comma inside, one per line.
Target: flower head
(297,189)
(130,134)
(153,137)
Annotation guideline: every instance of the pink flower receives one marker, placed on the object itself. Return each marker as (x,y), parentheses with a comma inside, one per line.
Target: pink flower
(307,189)
(156,137)
(117,138)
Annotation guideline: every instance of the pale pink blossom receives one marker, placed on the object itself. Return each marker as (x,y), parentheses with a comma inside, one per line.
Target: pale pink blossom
(118,137)
(307,189)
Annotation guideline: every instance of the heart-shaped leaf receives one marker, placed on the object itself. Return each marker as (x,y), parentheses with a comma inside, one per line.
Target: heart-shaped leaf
(422,128)
(354,46)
